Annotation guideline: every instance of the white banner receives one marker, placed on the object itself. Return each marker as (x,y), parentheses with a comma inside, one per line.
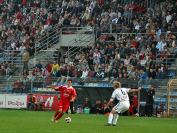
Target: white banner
(2,100)
(16,101)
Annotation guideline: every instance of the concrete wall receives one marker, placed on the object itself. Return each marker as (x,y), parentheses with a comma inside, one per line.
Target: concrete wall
(76,39)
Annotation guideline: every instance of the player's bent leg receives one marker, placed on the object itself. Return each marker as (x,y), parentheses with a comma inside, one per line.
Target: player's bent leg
(115,118)
(59,115)
(56,115)
(53,117)
(115,112)
(110,117)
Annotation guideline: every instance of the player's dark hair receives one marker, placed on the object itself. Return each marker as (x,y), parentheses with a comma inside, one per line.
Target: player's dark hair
(70,80)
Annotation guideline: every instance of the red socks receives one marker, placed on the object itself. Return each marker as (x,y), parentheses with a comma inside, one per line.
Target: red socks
(58,115)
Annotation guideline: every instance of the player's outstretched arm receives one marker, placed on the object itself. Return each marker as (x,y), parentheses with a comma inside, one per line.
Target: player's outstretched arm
(135,90)
(108,104)
(53,87)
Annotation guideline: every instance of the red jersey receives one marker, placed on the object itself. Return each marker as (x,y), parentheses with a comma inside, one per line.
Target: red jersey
(66,93)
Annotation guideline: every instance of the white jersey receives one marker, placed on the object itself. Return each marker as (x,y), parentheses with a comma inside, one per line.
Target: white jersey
(121,94)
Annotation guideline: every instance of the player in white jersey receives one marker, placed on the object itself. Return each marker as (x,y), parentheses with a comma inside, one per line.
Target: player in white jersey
(121,94)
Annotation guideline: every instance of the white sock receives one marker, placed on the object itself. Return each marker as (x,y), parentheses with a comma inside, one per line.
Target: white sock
(110,118)
(115,118)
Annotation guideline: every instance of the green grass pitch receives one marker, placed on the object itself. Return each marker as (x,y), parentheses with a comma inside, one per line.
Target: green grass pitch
(20,121)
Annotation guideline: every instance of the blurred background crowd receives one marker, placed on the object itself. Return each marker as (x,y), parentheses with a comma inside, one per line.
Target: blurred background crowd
(134,56)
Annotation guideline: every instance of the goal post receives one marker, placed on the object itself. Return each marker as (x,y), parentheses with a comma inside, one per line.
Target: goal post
(172,84)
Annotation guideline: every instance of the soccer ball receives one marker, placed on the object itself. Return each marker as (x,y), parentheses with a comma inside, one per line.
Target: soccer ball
(68,119)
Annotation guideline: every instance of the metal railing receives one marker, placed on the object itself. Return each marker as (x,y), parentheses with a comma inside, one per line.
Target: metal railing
(50,39)
(166,59)
(39,85)
(14,56)
(84,37)
(44,81)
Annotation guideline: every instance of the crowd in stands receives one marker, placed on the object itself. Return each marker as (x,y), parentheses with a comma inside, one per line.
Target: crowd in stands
(152,34)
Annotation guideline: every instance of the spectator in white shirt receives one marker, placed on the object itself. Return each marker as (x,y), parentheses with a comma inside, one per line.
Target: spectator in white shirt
(84,74)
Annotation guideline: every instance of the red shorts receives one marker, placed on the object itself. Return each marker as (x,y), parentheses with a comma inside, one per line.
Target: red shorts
(62,105)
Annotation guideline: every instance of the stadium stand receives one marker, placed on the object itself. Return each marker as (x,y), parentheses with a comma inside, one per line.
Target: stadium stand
(132,41)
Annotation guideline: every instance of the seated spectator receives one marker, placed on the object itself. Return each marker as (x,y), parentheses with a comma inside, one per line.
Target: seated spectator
(86,103)
(55,69)
(91,74)
(36,72)
(84,74)
(18,87)
(98,108)
(39,65)
(47,76)
(159,74)
(151,74)
(100,74)
(73,21)
(143,75)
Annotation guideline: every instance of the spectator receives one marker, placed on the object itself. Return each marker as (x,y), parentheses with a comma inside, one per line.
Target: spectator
(2,70)
(134,105)
(39,66)
(98,108)
(25,58)
(32,102)
(36,19)
(86,103)
(100,74)
(18,87)
(84,74)
(150,101)
(151,74)
(55,69)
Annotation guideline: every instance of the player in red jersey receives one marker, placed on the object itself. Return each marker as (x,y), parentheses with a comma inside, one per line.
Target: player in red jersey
(67,95)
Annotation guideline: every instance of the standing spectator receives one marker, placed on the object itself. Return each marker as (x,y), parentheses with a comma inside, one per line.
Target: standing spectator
(150,101)
(2,70)
(25,58)
(134,104)
(31,103)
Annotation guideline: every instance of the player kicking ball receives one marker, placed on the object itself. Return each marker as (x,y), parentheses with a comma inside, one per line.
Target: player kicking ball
(121,94)
(67,95)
